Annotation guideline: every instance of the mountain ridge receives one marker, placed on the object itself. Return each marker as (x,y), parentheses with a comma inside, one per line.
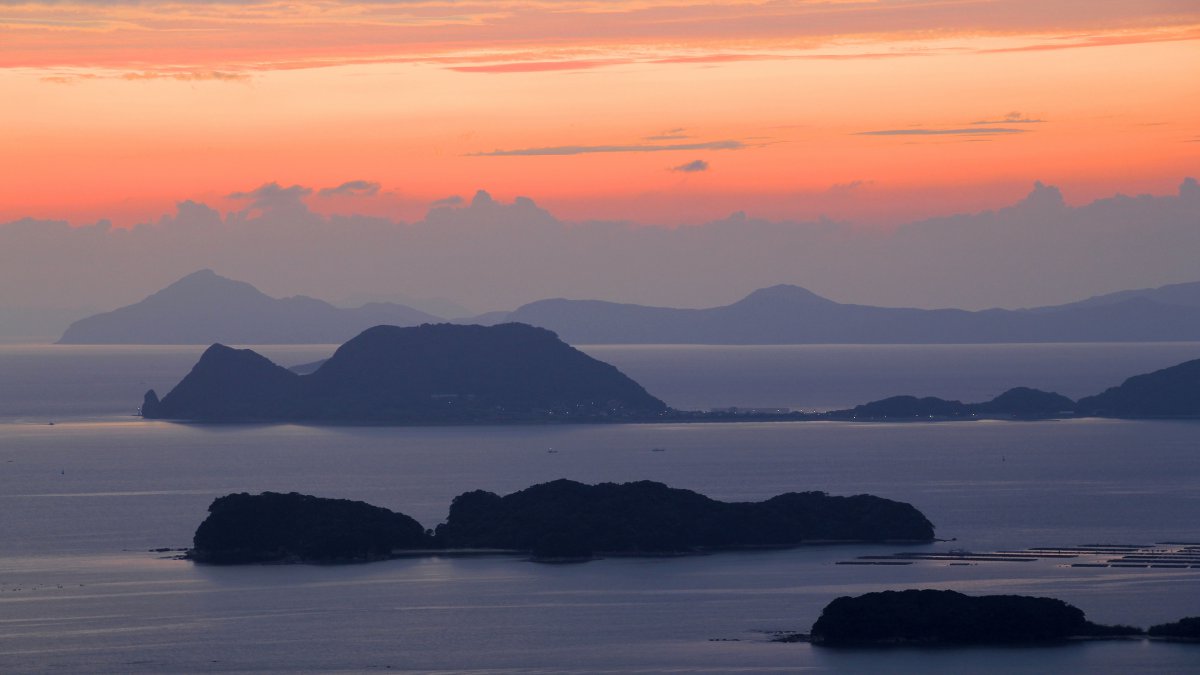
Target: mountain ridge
(205,307)
(788,314)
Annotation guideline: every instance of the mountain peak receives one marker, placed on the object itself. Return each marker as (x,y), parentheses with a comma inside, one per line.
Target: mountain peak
(785,294)
(206,282)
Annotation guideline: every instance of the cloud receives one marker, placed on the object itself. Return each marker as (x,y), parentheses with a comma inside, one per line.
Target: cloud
(144,75)
(692,167)
(187,76)
(588,149)
(846,188)
(942,132)
(540,66)
(452,200)
(274,197)
(352,187)
(1011,118)
(675,134)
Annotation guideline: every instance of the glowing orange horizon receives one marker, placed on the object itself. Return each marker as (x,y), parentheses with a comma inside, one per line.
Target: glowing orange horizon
(657,112)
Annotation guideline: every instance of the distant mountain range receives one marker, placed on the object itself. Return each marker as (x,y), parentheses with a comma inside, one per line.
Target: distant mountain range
(792,315)
(204,307)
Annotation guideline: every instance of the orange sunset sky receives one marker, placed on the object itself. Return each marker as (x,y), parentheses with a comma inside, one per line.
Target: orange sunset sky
(656,112)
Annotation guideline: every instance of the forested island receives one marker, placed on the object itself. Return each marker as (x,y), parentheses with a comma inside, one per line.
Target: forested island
(559,520)
(948,617)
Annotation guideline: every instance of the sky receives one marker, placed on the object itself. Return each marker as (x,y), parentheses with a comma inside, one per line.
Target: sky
(875,113)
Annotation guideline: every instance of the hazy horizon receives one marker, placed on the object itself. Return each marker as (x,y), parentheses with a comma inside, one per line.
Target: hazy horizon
(482,255)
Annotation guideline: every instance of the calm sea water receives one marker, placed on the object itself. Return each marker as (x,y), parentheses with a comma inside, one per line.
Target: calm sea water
(83,501)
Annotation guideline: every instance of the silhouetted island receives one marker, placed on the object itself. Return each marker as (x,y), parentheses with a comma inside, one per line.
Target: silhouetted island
(204,307)
(949,617)
(273,527)
(567,518)
(430,374)
(560,520)
(1019,402)
(1170,392)
(1187,628)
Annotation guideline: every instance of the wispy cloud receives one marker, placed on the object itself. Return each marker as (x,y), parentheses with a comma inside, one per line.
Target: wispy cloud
(540,66)
(147,75)
(273,196)
(352,187)
(1011,118)
(589,149)
(692,167)
(668,135)
(943,132)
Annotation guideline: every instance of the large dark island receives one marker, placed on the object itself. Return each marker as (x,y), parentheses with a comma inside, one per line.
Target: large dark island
(649,517)
(430,374)
(949,617)
(555,520)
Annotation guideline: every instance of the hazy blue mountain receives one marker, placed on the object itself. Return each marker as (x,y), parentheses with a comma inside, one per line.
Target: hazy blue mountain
(1185,295)
(204,307)
(429,374)
(792,315)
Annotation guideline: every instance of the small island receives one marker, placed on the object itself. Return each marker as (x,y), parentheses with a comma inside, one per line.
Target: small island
(948,617)
(1016,403)
(555,521)
(1168,393)
(1186,629)
(274,527)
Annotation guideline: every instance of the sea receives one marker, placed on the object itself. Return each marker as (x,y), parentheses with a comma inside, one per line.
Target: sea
(96,503)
